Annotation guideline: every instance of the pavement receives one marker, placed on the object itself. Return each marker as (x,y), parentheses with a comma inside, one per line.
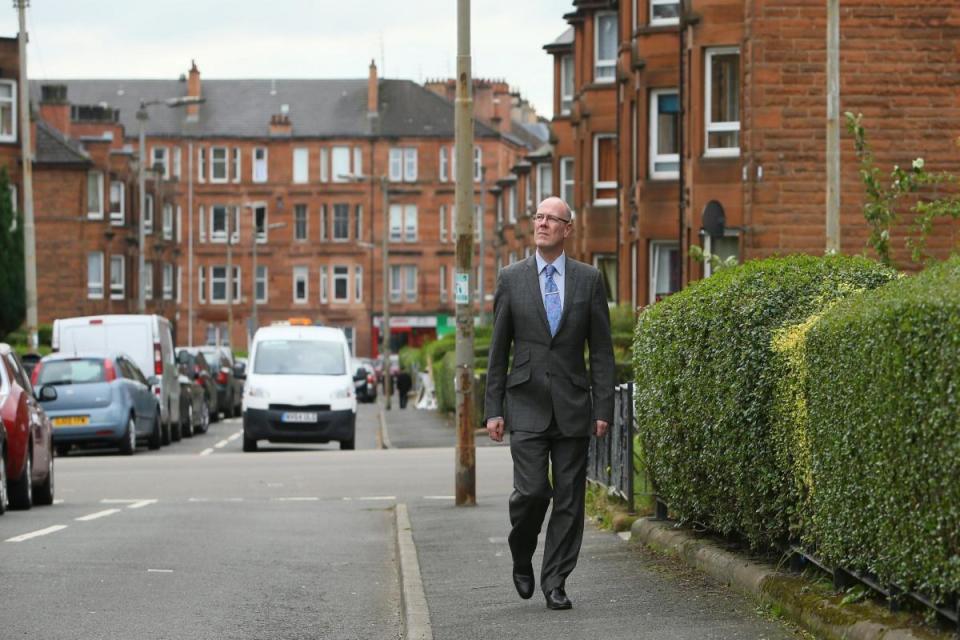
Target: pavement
(413,428)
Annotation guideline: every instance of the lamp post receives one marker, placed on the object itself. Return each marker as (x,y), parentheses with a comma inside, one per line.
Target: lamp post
(254,320)
(142,118)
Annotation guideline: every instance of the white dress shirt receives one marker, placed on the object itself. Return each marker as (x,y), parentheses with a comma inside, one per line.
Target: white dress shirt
(560,264)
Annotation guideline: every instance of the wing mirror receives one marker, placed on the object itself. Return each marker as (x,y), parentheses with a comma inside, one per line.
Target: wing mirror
(47,393)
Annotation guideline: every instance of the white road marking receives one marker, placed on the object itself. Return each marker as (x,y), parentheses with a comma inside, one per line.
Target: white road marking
(439,497)
(38,533)
(235,436)
(415,616)
(233,500)
(59,501)
(377,498)
(198,500)
(206,452)
(98,514)
(141,504)
(296,499)
(122,500)
(159,570)
(497,540)
(221,444)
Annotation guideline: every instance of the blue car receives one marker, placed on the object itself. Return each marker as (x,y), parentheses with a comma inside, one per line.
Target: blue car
(102,399)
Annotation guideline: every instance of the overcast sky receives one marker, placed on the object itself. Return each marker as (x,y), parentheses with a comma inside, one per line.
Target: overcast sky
(415,40)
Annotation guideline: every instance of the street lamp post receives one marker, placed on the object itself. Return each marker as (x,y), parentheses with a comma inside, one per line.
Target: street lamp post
(142,118)
(254,319)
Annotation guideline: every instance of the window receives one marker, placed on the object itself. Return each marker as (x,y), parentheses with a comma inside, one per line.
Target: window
(148,214)
(453,222)
(300,222)
(664,12)
(403,164)
(527,192)
(443,284)
(260,164)
(512,204)
(358,222)
(410,283)
(202,224)
(235,165)
(301,284)
(202,283)
(341,283)
(341,164)
(161,161)
(179,284)
(396,222)
(117,210)
(168,221)
(499,210)
(664,134)
(544,181)
(477,164)
(218,223)
(179,224)
(218,284)
(605,47)
(395,290)
(607,265)
(236,284)
(117,278)
(566,180)
(664,269)
(261,284)
(8,111)
(301,165)
(324,284)
(410,223)
(341,222)
(444,164)
(357,161)
(323,222)
(95,275)
(168,282)
(177,162)
(604,169)
(724,247)
(566,84)
(358,284)
(324,166)
(218,164)
(443,223)
(94,195)
(201,164)
(722,110)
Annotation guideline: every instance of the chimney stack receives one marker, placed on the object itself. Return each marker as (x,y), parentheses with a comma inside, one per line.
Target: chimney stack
(373,91)
(193,90)
(55,108)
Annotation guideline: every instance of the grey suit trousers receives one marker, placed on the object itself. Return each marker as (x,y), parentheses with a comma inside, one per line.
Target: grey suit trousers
(533,453)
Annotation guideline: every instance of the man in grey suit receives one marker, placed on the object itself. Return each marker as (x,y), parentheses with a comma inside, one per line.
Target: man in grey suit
(549,307)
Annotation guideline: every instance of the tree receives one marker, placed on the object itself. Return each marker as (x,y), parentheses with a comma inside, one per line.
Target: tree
(13,292)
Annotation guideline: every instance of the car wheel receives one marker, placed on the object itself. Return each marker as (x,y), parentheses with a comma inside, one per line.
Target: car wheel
(21,491)
(186,429)
(176,430)
(156,436)
(4,496)
(249,444)
(128,443)
(347,445)
(44,493)
(165,430)
(204,418)
(62,450)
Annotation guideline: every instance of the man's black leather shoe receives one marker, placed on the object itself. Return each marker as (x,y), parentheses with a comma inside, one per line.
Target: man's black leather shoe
(557,599)
(523,581)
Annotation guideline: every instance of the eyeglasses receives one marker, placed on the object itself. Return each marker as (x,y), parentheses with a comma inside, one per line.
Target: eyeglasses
(540,217)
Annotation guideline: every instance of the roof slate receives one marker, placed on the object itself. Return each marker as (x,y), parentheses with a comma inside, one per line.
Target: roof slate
(54,148)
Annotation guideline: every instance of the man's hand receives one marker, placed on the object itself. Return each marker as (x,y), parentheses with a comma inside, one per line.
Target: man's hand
(495,429)
(600,429)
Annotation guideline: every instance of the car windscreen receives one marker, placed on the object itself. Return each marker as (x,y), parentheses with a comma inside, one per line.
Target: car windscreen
(299,358)
(74,371)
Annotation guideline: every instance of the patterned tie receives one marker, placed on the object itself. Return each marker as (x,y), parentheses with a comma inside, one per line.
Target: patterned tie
(551,299)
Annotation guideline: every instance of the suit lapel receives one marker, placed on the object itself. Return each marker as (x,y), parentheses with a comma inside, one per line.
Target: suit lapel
(569,287)
(533,284)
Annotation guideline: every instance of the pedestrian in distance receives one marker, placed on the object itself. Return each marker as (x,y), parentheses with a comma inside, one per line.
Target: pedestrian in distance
(404,384)
(547,308)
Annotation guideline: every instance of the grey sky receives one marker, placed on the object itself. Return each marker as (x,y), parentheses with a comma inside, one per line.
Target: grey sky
(290,39)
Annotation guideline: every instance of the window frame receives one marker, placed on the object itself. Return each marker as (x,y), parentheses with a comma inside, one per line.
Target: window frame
(358,283)
(165,153)
(92,285)
(167,221)
(566,99)
(14,106)
(477,163)
(202,283)
(118,219)
(167,281)
(409,236)
(120,292)
(604,63)
(568,178)
(599,185)
(338,154)
(257,280)
(654,248)
(340,274)
(654,157)
(148,213)
(214,162)
(663,22)
(718,127)
(96,214)
(301,165)
(214,280)
(541,194)
(324,284)
(256,165)
(444,164)
(340,207)
(297,209)
(236,161)
(301,273)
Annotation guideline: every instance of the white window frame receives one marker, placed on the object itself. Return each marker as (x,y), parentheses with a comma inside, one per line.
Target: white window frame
(258,280)
(396,223)
(443,223)
(324,165)
(655,247)
(655,139)
(167,281)
(214,279)
(324,232)
(358,222)
(341,273)
(177,162)
(179,284)
(167,221)
(396,164)
(708,248)
(306,222)
(301,165)
(410,164)
(410,293)
(202,224)
(340,206)
(542,193)
(340,164)
(202,283)
(597,184)
(662,22)
(604,64)
(396,286)
(98,213)
(709,125)
(411,223)
(301,274)
(179,224)
(237,284)
(512,203)
(236,164)
(11,136)
(94,287)
(201,164)
(164,153)
(477,163)
(118,218)
(215,162)
(566,99)
(221,235)
(568,178)
(118,292)
(444,295)
(444,163)
(261,235)
(324,284)
(148,213)
(358,161)
(259,169)
(358,283)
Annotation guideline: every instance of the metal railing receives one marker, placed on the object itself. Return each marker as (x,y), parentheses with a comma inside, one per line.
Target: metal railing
(611,460)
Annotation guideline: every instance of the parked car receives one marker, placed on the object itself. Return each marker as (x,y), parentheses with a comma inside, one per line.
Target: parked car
(298,387)
(229,385)
(147,339)
(194,365)
(364,380)
(101,399)
(194,410)
(4,496)
(28,448)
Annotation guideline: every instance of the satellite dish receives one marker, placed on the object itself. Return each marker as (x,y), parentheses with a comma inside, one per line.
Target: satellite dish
(714,219)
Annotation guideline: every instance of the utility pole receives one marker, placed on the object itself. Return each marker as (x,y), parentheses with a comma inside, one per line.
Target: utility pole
(833,127)
(385,325)
(481,254)
(26,152)
(229,277)
(142,206)
(466,494)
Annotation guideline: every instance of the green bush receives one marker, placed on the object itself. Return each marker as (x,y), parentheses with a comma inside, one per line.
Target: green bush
(706,375)
(410,358)
(444,371)
(435,350)
(883,399)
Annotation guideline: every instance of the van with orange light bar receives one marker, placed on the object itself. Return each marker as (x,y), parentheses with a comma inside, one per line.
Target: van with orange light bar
(147,339)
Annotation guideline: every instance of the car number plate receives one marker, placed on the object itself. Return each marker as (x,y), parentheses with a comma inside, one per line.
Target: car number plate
(71,421)
(302,416)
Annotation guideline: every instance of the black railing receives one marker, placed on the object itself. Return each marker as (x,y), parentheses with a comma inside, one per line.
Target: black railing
(611,460)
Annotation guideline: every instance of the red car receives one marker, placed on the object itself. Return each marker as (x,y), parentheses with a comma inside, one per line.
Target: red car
(27,463)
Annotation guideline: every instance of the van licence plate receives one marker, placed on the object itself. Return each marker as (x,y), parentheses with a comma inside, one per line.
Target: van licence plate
(303,416)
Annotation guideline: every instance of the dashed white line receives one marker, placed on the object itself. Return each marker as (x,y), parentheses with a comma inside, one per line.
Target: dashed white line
(38,533)
(439,497)
(141,504)
(371,498)
(122,500)
(97,515)
(58,501)
(296,499)
(221,444)
(159,570)
(235,436)
(206,452)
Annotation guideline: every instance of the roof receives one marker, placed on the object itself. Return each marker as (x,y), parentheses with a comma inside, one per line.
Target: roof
(54,148)
(533,134)
(243,108)
(299,332)
(563,41)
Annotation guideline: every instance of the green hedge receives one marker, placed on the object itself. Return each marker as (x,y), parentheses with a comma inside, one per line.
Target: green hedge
(883,403)
(411,358)
(706,380)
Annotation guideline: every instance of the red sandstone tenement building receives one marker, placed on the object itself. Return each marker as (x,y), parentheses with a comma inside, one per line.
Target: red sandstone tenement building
(299,161)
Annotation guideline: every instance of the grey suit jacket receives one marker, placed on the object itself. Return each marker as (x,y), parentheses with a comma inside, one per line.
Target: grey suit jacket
(549,375)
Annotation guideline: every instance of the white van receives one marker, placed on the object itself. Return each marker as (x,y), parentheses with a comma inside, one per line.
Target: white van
(299,387)
(147,339)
